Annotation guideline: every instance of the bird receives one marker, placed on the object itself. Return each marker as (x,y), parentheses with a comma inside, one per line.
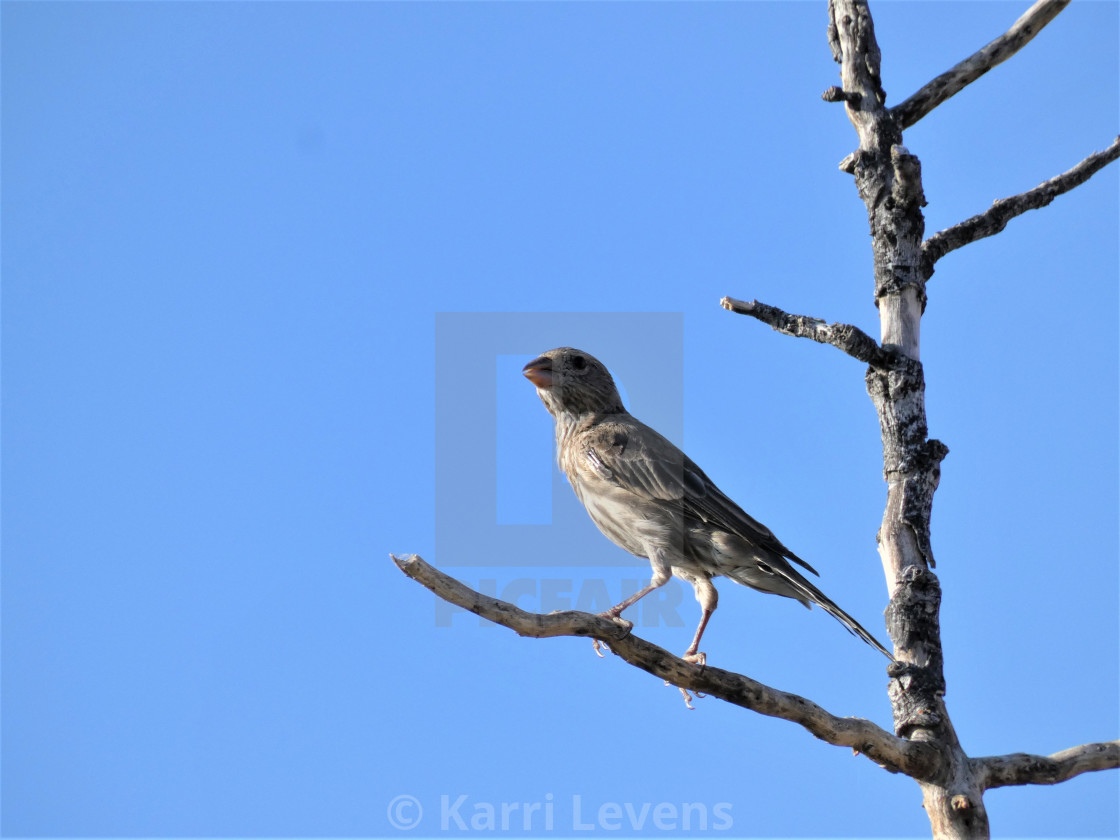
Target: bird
(651,499)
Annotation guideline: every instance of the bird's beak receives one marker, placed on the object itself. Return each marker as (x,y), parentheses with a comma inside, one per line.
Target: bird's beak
(539,372)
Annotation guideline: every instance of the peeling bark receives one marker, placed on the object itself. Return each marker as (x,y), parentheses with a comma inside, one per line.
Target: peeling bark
(976,65)
(851,339)
(1003,210)
(889,180)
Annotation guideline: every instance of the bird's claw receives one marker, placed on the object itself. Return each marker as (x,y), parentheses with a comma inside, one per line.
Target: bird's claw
(696,658)
(687,697)
(620,621)
(616,618)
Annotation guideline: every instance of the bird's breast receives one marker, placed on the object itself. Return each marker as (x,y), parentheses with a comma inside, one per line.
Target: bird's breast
(633,523)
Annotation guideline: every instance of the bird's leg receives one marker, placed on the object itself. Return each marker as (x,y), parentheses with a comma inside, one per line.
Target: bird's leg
(661,575)
(693,653)
(708,597)
(613,613)
(616,610)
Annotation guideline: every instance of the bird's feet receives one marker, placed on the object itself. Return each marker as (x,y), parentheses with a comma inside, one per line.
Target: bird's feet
(619,620)
(687,698)
(596,645)
(615,613)
(695,657)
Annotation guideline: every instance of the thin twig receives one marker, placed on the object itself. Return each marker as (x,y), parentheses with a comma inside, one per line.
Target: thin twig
(893,753)
(852,340)
(1003,210)
(976,65)
(1023,769)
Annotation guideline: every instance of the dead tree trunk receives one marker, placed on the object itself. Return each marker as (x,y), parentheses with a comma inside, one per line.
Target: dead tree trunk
(889,180)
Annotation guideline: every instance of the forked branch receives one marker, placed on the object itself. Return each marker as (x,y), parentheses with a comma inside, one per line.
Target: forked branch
(851,339)
(976,65)
(1003,210)
(889,751)
(1023,769)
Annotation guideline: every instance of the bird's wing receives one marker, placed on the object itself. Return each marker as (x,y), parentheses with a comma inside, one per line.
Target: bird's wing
(630,454)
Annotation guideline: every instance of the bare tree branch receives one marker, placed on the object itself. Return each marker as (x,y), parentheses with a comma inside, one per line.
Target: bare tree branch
(1003,210)
(895,754)
(1023,769)
(976,65)
(852,340)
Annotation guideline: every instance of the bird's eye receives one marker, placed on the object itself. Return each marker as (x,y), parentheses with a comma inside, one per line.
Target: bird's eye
(578,362)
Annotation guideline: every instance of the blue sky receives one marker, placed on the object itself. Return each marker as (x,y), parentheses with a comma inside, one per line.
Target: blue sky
(228,229)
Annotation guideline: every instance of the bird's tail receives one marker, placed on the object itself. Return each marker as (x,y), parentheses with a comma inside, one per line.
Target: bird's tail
(855,627)
(828,605)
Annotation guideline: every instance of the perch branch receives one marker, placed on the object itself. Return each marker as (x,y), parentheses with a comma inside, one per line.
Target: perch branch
(1023,769)
(852,340)
(976,65)
(1003,210)
(894,754)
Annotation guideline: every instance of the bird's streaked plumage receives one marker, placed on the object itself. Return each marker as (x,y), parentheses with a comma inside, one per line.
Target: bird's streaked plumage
(648,497)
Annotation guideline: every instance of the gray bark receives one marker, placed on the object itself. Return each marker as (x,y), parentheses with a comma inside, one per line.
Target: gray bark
(898,755)
(889,180)
(851,339)
(1024,769)
(976,65)
(1003,210)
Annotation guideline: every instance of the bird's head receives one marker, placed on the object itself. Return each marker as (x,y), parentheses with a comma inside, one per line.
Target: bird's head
(573,382)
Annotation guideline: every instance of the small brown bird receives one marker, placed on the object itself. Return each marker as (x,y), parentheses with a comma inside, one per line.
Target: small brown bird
(649,498)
